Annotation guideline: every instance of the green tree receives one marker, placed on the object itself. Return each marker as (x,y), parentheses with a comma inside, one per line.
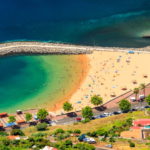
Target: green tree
(148,99)
(143,87)
(67,106)
(41,126)
(96,100)
(42,114)
(136,92)
(87,112)
(12,119)
(125,105)
(28,117)
(17,132)
(147,111)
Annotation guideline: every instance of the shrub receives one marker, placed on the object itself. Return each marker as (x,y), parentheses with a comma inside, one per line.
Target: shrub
(103,139)
(12,119)
(132,144)
(62,136)
(57,131)
(28,117)
(70,131)
(41,126)
(101,132)
(129,121)
(68,143)
(39,134)
(92,134)
(148,99)
(17,132)
(3,133)
(112,140)
(85,120)
(84,146)
(77,131)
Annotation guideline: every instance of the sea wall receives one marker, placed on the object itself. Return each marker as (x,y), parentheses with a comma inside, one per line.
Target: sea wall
(54,48)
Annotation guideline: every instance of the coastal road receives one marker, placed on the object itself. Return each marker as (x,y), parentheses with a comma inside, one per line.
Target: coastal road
(71,120)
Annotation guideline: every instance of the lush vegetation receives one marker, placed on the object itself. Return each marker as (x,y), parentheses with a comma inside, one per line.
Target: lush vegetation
(67,106)
(42,114)
(41,126)
(136,92)
(148,99)
(87,112)
(17,132)
(96,100)
(64,136)
(12,119)
(125,105)
(28,117)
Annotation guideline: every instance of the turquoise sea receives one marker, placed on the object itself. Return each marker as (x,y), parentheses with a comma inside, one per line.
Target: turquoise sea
(89,22)
(26,80)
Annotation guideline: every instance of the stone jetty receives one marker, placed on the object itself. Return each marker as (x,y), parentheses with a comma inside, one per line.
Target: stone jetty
(54,48)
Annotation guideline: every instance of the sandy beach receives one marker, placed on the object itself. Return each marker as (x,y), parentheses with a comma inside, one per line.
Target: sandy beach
(111,74)
(107,72)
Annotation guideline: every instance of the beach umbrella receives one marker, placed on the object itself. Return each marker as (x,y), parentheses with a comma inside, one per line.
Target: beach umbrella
(145,76)
(134,82)
(113,94)
(124,88)
(131,52)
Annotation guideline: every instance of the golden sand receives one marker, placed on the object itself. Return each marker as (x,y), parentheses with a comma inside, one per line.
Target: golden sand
(111,73)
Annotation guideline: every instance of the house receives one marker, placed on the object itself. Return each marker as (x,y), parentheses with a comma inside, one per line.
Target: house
(4,114)
(13,137)
(139,130)
(141,122)
(21,122)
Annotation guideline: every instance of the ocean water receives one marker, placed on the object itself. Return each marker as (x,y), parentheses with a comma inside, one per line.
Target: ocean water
(28,82)
(87,22)
(37,81)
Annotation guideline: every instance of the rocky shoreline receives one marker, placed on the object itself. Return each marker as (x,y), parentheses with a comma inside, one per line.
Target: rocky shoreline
(54,48)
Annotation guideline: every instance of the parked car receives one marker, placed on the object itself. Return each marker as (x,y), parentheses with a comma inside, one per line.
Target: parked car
(106,114)
(133,109)
(89,140)
(51,123)
(141,97)
(109,146)
(81,137)
(102,116)
(133,99)
(78,119)
(146,106)
(117,112)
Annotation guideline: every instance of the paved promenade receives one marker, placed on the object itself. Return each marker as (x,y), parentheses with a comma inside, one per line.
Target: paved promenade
(109,106)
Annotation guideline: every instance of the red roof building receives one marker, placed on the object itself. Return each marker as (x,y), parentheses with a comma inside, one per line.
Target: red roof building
(141,123)
(21,121)
(4,114)
(13,137)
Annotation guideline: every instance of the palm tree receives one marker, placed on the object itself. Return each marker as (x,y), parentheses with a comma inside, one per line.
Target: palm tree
(136,92)
(142,87)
